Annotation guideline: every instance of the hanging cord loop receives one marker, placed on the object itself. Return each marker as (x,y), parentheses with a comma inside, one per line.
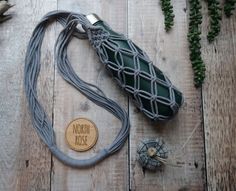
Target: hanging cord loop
(40,120)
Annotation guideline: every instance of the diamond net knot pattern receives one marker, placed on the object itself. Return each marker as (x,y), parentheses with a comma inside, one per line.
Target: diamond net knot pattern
(151,90)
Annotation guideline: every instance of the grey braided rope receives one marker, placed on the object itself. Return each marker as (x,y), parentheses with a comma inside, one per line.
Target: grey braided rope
(40,120)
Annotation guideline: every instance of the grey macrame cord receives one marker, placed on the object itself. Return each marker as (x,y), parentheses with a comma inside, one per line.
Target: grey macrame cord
(40,120)
(103,42)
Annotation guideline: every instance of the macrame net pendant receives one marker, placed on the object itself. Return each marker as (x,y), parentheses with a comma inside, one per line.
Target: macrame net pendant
(150,89)
(151,153)
(41,121)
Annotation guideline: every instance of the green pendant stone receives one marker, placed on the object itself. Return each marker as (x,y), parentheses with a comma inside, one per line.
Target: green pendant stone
(160,100)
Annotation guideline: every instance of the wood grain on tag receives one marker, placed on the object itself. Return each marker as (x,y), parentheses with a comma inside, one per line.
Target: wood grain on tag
(81,134)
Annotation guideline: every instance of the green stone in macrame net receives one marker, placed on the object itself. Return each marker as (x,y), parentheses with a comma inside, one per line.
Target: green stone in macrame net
(150,89)
(149,161)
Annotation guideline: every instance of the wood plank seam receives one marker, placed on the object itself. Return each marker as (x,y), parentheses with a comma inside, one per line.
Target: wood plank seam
(204,142)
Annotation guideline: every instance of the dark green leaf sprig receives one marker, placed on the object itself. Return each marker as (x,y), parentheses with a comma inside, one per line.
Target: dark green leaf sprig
(195,20)
(4,6)
(167,10)
(214,12)
(229,6)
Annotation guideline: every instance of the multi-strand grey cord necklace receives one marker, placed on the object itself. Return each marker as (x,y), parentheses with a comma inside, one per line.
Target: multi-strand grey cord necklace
(151,90)
(32,67)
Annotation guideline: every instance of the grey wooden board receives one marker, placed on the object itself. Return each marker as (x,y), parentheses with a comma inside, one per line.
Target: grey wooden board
(26,164)
(168,52)
(219,106)
(111,174)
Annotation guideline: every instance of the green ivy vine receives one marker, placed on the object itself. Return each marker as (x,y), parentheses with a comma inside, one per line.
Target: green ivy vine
(195,20)
(167,10)
(214,12)
(194,32)
(229,6)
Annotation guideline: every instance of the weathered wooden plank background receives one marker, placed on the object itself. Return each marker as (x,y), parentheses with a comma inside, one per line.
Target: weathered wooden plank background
(202,135)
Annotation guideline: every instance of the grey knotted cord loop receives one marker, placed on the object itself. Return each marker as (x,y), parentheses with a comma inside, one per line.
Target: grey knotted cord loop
(40,120)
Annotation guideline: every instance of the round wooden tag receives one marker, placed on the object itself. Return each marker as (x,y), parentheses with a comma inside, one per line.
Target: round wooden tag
(81,134)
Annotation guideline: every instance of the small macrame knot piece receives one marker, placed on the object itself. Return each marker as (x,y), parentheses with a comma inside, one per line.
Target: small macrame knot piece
(151,153)
(97,36)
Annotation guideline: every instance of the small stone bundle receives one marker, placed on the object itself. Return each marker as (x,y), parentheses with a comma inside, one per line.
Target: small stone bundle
(152,153)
